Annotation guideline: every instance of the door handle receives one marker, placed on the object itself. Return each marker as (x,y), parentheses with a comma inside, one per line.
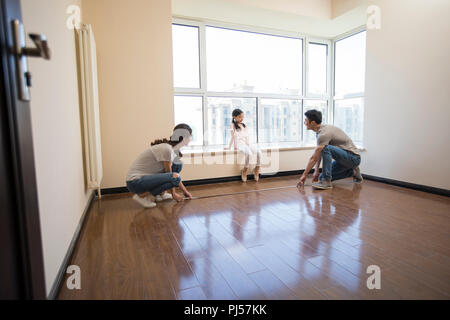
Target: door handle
(42,50)
(21,52)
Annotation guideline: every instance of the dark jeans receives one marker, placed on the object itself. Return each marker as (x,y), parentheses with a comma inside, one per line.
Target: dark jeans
(156,183)
(342,166)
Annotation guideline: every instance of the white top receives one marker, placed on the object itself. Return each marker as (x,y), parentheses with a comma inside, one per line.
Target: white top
(241,136)
(151,161)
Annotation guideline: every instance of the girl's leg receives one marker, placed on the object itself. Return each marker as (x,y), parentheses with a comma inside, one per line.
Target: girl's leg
(258,162)
(247,160)
(258,158)
(245,150)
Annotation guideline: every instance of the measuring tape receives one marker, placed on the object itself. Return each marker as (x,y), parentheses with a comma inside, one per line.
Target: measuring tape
(242,192)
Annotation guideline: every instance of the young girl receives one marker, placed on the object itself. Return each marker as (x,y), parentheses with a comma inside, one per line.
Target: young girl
(158,168)
(240,140)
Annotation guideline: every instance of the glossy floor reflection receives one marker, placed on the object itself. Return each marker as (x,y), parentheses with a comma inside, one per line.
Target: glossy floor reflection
(274,244)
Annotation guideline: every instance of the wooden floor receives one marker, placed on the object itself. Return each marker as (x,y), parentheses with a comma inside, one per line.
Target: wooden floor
(271,244)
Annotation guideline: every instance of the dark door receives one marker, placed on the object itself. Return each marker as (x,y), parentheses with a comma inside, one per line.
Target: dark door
(21,262)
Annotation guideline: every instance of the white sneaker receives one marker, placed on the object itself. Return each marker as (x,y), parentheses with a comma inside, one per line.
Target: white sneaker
(165,196)
(145,202)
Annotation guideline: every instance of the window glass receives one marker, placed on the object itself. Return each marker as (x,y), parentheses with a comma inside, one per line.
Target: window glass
(239,61)
(280,120)
(188,109)
(186,67)
(350,64)
(317,68)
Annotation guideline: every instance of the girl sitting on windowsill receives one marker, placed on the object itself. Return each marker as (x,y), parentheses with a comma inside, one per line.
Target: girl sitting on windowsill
(240,141)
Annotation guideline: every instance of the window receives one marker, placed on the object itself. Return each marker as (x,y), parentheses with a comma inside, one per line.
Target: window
(186,67)
(317,68)
(218,69)
(350,54)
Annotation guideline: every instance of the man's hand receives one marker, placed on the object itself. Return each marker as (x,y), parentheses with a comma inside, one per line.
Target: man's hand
(301,183)
(316,176)
(188,195)
(177,197)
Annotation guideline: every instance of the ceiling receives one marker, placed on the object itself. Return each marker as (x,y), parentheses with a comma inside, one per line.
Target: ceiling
(320,18)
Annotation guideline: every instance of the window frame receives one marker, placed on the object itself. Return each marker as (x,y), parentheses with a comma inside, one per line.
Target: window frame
(329,96)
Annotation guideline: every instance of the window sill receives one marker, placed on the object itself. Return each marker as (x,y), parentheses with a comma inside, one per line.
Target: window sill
(264,147)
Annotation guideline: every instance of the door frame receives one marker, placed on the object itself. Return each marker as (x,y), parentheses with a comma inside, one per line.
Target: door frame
(23,184)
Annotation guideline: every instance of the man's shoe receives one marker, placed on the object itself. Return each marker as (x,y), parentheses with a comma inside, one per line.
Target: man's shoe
(357,177)
(322,185)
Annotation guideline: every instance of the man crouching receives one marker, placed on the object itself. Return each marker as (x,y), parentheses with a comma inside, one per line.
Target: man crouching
(332,143)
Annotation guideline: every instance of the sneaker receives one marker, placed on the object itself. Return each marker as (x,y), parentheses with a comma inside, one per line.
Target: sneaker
(145,202)
(357,177)
(322,185)
(164,196)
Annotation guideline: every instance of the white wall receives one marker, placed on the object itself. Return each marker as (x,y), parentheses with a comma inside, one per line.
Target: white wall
(134,56)
(56,131)
(407,109)
(339,7)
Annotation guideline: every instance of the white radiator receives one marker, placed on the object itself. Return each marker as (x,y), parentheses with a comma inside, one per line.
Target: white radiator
(87,67)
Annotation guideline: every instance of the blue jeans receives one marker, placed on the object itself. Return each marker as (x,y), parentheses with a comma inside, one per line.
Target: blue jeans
(156,183)
(342,166)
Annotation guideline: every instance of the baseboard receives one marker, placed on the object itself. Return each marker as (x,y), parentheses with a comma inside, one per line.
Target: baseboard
(117,190)
(62,270)
(419,187)
(443,192)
